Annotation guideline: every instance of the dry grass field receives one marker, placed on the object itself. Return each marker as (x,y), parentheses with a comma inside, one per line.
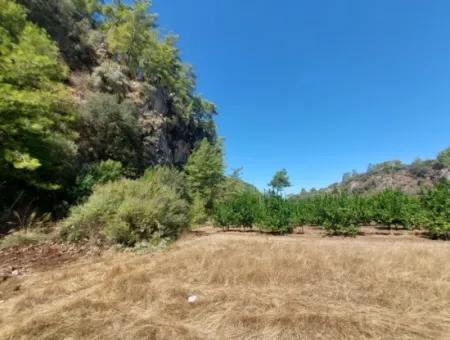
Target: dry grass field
(249,286)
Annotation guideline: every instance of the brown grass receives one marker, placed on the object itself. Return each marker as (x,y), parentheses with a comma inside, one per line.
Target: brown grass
(248,287)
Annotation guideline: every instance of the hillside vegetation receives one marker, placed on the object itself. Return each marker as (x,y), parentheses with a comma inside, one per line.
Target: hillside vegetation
(81,83)
(409,178)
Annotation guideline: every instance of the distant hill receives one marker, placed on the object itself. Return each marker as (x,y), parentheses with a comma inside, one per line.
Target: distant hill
(394,174)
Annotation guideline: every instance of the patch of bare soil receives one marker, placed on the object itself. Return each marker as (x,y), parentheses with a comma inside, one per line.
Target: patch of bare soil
(16,262)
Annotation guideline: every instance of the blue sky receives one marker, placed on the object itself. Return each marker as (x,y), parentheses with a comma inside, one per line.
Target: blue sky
(319,87)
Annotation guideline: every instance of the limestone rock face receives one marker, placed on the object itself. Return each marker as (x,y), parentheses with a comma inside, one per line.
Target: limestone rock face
(163,135)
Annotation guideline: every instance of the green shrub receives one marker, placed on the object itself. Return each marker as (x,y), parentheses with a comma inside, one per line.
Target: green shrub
(170,177)
(275,214)
(394,208)
(99,173)
(198,213)
(443,159)
(109,129)
(242,209)
(436,215)
(109,77)
(130,211)
(339,214)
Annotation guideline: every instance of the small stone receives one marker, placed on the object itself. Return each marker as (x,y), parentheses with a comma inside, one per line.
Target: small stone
(15,272)
(192,298)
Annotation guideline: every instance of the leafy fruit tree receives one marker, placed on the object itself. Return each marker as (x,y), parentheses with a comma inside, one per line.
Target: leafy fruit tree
(280,181)
(36,143)
(205,170)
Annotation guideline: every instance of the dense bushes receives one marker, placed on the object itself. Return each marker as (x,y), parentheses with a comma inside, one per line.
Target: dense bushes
(130,211)
(242,209)
(270,212)
(109,129)
(98,173)
(340,213)
(436,212)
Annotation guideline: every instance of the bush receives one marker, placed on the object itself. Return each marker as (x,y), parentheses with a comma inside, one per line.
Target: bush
(130,211)
(275,214)
(240,210)
(198,213)
(110,78)
(436,204)
(443,159)
(339,214)
(394,208)
(170,177)
(99,173)
(109,129)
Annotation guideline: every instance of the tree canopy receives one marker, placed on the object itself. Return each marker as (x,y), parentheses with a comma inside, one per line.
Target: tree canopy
(205,169)
(280,181)
(36,142)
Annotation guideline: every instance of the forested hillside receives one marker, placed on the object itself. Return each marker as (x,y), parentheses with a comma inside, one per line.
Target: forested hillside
(83,82)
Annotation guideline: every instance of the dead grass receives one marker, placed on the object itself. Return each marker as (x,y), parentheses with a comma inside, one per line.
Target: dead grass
(248,286)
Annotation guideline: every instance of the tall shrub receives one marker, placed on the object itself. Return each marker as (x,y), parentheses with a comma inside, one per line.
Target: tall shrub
(128,212)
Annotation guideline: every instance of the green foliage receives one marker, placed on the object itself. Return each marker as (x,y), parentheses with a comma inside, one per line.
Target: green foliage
(394,208)
(70,24)
(109,77)
(36,144)
(275,214)
(171,177)
(280,181)
(241,209)
(204,171)
(98,173)
(339,214)
(133,40)
(129,211)
(436,215)
(443,158)
(198,213)
(109,129)
(128,31)
(386,167)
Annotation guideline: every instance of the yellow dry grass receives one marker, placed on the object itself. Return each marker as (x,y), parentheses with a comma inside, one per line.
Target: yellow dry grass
(248,287)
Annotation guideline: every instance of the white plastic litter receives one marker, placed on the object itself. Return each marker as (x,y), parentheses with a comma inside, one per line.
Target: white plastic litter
(192,298)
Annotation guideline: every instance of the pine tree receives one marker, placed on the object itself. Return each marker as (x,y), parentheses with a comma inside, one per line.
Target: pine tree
(205,171)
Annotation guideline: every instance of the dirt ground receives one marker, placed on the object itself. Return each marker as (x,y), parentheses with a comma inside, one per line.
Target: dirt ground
(380,285)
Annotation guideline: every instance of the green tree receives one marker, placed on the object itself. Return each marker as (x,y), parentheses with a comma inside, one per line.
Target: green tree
(109,129)
(444,158)
(198,213)
(129,31)
(36,144)
(70,23)
(280,181)
(205,169)
(97,173)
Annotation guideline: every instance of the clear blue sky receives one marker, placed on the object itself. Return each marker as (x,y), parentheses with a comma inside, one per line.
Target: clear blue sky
(319,87)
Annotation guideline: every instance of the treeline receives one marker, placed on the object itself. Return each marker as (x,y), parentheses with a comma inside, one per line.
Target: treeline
(83,82)
(339,213)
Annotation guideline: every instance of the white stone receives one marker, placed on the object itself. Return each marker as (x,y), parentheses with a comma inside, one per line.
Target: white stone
(192,298)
